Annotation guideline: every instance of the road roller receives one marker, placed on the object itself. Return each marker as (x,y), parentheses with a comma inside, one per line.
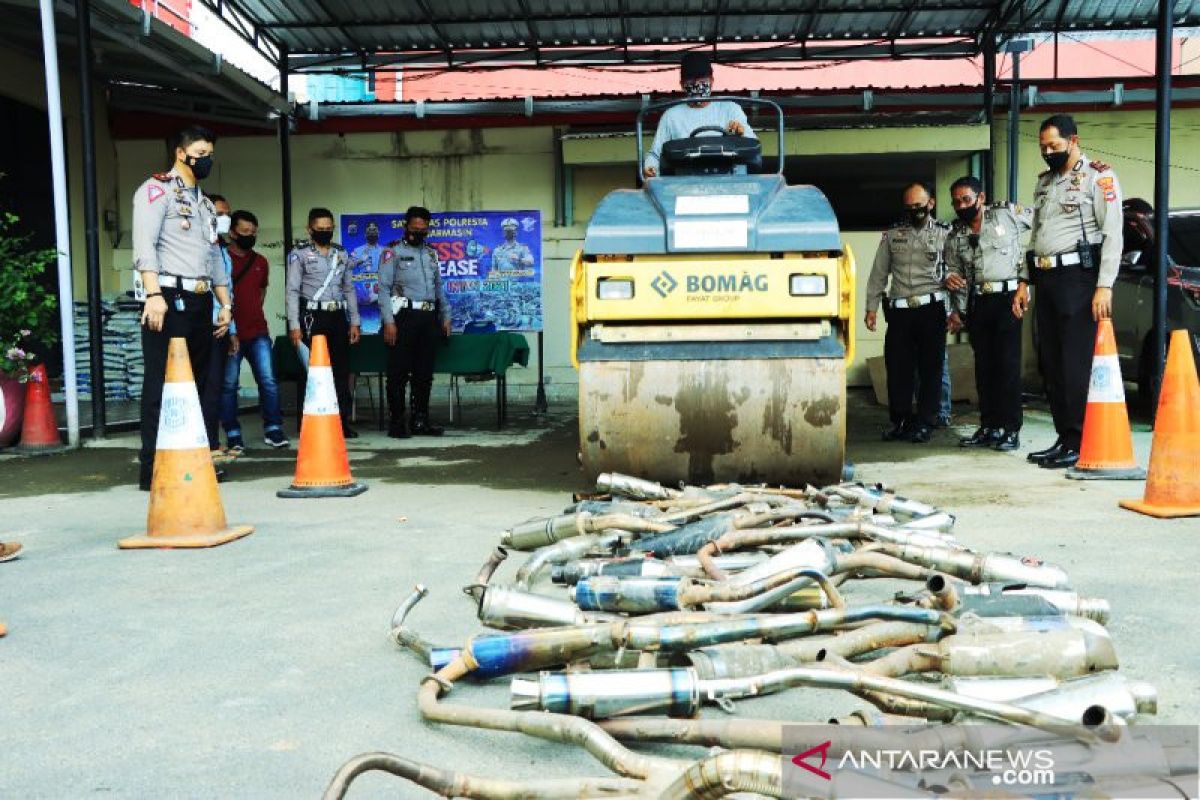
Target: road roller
(711,314)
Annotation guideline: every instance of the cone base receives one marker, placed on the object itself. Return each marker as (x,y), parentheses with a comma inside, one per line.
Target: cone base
(145,541)
(1162,512)
(349,490)
(1078,473)
(40,449)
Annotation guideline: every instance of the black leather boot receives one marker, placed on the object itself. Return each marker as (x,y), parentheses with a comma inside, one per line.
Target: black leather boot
(397,429)
(1053,451)
(898,432)
(421,426)
(1008,441)
(983,437)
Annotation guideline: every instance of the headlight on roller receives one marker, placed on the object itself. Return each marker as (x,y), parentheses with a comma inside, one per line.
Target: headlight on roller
(614,289)
(808,285)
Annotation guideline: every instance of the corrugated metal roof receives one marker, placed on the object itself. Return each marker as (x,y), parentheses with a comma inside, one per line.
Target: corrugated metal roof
(542,32)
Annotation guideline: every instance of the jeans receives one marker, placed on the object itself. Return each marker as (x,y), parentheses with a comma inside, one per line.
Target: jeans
(944,404)
(258,350)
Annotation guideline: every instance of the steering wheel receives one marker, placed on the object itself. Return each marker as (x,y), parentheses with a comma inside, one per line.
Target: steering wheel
(717,129)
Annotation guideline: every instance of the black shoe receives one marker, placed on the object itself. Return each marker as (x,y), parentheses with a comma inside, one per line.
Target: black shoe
(143,487)
(220,475)
(397,429)
(898,432)
(348,432)
(1008,440)
(1067,458)
(942,422)
(982,437)
(422,427)
(920,434)
(1052,451)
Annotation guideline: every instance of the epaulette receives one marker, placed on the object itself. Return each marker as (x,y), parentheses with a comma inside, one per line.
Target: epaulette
(937,223)
(161,176)
(300,244)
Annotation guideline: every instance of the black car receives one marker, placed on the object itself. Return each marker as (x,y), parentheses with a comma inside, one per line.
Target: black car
(1133,300)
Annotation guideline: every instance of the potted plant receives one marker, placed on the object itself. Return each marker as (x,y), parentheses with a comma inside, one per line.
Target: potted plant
(27,313)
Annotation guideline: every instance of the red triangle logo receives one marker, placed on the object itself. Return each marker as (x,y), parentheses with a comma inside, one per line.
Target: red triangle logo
(823,749)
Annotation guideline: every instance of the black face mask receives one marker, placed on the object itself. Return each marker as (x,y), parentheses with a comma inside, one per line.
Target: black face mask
(967,214)
(245,242)
(200,167)
(1056,161)
(372,238)
(918,216)
(322,238)
(415,237)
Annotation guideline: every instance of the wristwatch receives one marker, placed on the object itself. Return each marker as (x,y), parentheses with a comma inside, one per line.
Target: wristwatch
(227,307)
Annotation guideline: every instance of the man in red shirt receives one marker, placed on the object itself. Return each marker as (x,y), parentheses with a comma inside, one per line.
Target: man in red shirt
(249,278)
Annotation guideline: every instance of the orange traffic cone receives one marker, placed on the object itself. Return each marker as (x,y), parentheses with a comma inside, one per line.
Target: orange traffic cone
(39,429)
(322,466)
(1173,488)
(1107,447)
(185,506)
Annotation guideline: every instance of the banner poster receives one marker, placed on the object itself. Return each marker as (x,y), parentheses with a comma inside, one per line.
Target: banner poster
(490,261)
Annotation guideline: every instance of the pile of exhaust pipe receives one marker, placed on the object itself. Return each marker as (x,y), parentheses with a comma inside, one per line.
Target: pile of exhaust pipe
(644,613)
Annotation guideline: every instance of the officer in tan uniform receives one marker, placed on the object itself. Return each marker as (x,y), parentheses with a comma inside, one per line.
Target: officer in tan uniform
(915,308)
(416,317)
(985,263)
(177,271)
(1075,252)
(321,300)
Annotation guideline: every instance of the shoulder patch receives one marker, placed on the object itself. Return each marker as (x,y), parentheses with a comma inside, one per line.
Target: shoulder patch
(154,192)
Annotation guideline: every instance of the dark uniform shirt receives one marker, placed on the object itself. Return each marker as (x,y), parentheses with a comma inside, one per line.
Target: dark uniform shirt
(412,272)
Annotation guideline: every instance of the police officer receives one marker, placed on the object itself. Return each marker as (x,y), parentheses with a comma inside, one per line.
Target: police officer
(911,254)
(985,263)
(511,255)
(1074,257)
(321,300)
(176,262)
(414,311)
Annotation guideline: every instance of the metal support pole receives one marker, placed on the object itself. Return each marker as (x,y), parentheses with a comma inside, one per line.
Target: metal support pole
(540,405)
(560,192)
(285,154)
(989,112)
(1162,191)
(91,223)
(1014,125)
(62,222)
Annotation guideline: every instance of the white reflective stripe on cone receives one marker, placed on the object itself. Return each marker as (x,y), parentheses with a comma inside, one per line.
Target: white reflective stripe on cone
(320,397)
(180,421)
(1105,385)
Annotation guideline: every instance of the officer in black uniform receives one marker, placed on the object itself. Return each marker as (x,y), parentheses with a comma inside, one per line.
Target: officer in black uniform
(1074,256)
(909,265)
(986,263)
(321,300)
(415,314)
(177,271)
